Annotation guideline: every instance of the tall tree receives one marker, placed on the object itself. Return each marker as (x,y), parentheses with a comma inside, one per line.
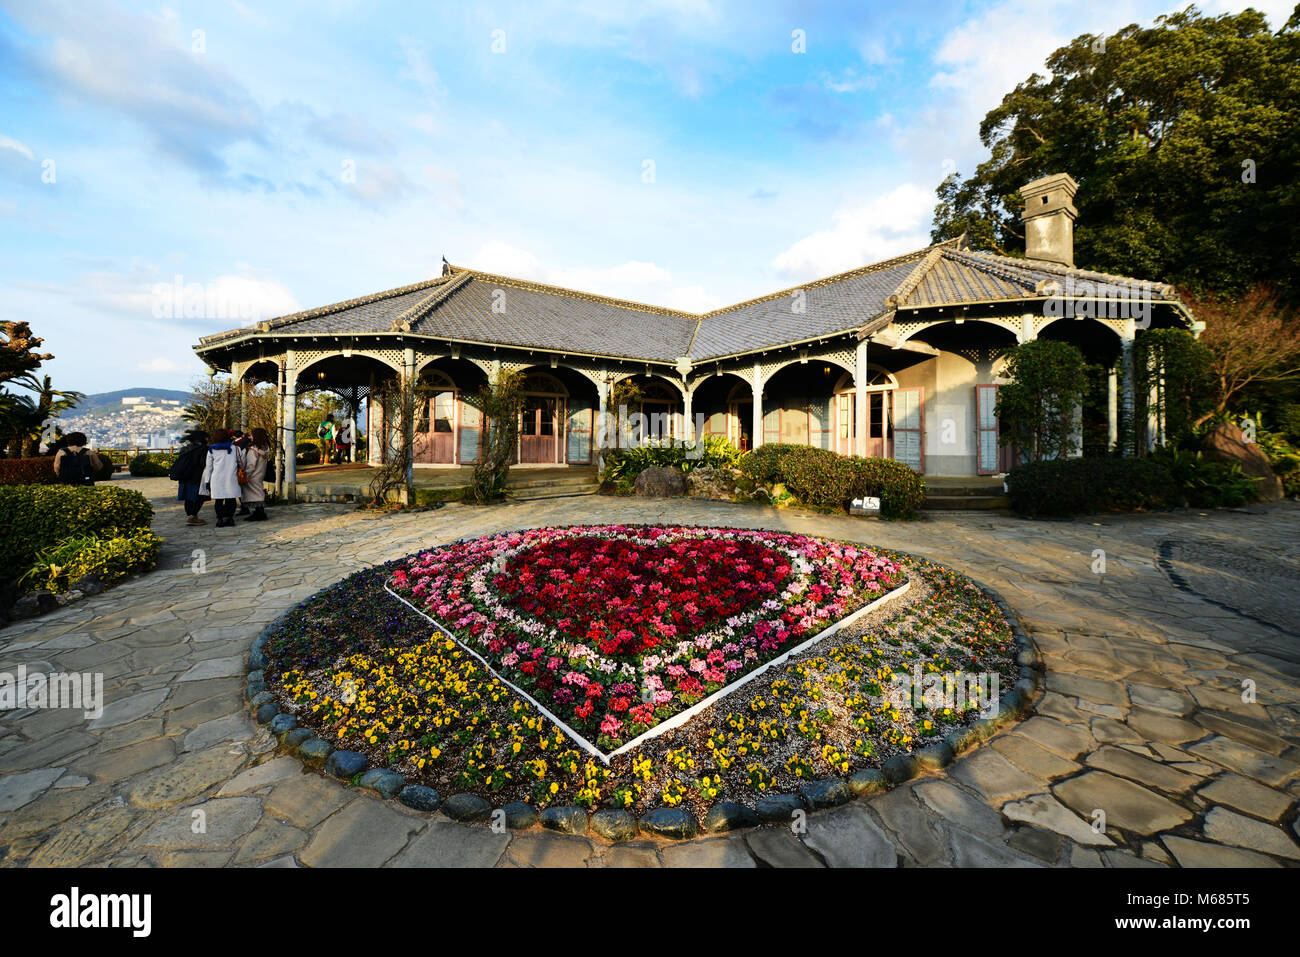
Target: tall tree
(1185,140)
(18,356)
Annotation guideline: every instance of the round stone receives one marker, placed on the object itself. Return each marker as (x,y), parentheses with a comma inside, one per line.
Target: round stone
(315,750)
(283,723)
(419,797)
(867,781)
(258,675)
(257,659)
(467,807)
(519,815)
(961,740)
(266,712)
(778,807)
(935,757)
(672,822)
(729,816)
(899,768)
(261,698)
(345,765)
(828,792)
(613,825)
(297,736)
(382,781)
(569,820)
(255,688)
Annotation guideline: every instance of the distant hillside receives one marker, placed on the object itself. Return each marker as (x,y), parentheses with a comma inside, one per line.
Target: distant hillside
(102,402)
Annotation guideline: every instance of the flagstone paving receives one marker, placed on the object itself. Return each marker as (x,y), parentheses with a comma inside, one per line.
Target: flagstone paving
(1143,719)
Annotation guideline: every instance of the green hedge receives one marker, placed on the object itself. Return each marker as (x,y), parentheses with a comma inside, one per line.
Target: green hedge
(31,471)
(109,559)
(1083,485)
(152,464)
(38,516)
(825,479)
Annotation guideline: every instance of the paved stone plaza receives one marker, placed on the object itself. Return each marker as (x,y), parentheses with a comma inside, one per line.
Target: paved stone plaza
(1143,715)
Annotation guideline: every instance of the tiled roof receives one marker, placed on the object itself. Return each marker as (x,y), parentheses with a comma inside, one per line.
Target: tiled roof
(470,306)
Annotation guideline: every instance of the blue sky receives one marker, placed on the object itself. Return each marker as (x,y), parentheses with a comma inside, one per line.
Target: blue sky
(289,155)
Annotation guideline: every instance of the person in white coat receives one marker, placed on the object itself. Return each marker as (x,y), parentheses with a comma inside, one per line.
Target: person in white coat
(221,477)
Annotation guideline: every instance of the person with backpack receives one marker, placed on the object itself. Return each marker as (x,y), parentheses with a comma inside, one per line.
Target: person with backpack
(187,473)
(325,432)
(221,472)
(257,454)
(74,464)
(343,440)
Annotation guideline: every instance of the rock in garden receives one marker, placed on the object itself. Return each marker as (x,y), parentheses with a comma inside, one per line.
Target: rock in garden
(659,482)
(830,792)
(419,797)
(710,483)
(935,757)
(315,750)
(778,807)
(255,688)
(261,698)
(899,768)
(467,808)
(569,820)
(672,822)
(88,585)
(519,815)
(283,723)
(34,603)
(382,781)
(297,736)
(1226,443)
(256,659)
(345,765)
(614,825)
(729,816)
(867,781)
(266,712)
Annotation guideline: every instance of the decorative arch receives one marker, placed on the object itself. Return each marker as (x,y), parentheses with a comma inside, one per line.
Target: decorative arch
(769,372)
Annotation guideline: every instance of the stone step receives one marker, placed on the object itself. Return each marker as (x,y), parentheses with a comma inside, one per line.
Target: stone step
(967,501)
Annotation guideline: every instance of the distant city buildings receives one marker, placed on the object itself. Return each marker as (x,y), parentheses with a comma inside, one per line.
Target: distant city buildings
(139,422)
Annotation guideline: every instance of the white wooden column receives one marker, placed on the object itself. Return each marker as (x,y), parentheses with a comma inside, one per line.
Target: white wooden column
(688,426)
(1112,411)
(861,425)
(756,425)
(290,435)
(408,414)
(1127,402)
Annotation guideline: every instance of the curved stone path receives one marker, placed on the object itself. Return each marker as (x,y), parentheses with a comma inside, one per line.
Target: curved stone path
(1143,718)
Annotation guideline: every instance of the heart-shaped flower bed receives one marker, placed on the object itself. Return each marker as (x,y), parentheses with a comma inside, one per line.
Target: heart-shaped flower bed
(616,629)
(630,597)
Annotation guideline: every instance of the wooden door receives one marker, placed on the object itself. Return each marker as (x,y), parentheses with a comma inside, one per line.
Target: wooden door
(987,458)
(577,432)
(537,431)
(877,425)
(909,427)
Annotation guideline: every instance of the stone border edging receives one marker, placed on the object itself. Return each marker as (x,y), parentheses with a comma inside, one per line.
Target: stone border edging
(1164,558)
(675,823)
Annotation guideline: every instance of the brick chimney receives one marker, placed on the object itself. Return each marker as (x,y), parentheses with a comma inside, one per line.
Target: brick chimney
(1049,218)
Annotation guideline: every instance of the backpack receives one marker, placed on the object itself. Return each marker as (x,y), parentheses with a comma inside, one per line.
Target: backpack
(75,469)
(188,466)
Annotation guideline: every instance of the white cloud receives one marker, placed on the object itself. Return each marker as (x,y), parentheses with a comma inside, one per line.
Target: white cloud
(633,280)
(10,144)
(887,225)
(159,365)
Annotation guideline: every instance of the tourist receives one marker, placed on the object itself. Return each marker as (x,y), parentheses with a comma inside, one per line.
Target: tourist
(187,473)
(325,432)
(74,464)
(241,441)
(221,477)
(343,441)
(255,458)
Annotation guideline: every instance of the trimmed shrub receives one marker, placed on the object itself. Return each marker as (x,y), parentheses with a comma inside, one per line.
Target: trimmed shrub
(32,471)
(825,479)
(38,516)
(59,566)
(1080,486)
(151,464)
